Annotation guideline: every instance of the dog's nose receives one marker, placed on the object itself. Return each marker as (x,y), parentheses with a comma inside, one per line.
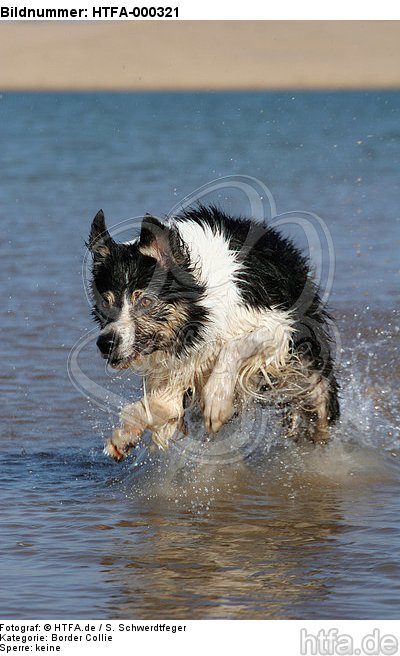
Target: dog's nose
(107,343)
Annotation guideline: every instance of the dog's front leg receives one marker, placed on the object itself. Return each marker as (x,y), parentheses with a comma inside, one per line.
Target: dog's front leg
(167,414)
(219,391)
(134,421)
(160,413)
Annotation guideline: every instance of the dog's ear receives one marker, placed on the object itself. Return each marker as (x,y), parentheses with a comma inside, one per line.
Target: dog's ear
(154,240)
(100,239)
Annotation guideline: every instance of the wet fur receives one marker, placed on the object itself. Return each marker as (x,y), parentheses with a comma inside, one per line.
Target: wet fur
(216,308)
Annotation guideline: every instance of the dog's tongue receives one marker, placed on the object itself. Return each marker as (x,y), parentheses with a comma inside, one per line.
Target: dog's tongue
(131,359)
(125,364)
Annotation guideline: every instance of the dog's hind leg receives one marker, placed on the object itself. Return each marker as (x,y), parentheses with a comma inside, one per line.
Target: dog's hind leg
(321,406)
(320,397)
(318,389)
(293,421)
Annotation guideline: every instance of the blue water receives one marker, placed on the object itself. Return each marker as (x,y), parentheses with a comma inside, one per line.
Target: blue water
(245,526)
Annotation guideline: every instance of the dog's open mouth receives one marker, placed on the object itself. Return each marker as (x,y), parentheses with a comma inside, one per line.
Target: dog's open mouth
(125,363)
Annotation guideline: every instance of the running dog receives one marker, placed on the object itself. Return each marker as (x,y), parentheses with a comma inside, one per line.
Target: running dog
(217,310)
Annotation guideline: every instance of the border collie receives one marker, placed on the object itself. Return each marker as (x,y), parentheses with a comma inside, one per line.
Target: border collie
(217,310)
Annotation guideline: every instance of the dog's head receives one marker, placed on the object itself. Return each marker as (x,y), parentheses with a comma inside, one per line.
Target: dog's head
(145,297)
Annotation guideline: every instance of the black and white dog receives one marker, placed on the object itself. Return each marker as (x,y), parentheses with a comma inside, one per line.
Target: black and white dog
(216,309)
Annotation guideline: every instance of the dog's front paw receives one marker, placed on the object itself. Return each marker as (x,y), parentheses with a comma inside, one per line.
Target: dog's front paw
(122,441)
(218,396)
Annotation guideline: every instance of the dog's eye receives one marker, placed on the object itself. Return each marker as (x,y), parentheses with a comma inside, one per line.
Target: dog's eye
(146,301)
(141,300)
(108,299)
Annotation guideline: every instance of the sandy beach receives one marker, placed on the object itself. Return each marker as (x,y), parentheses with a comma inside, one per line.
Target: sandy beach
(199,55)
